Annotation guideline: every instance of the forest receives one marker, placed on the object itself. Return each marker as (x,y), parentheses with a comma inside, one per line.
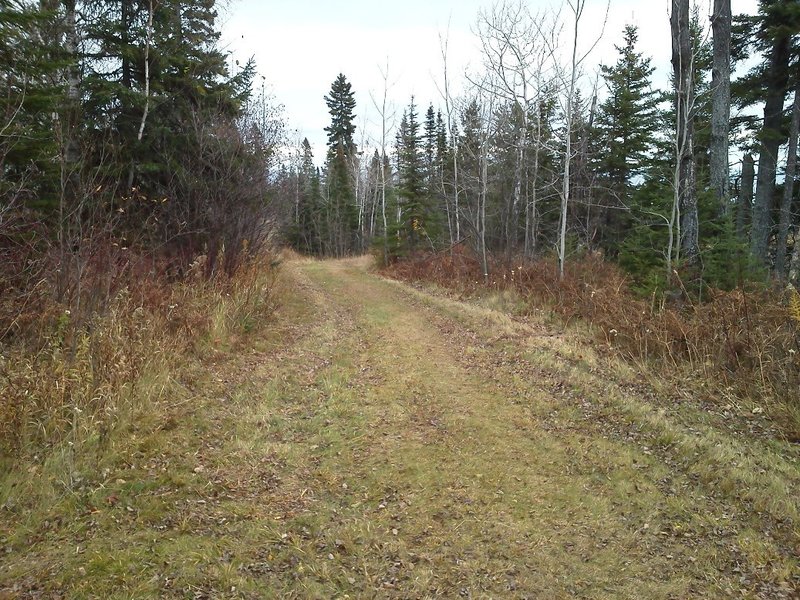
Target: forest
(228,365)
(538,159)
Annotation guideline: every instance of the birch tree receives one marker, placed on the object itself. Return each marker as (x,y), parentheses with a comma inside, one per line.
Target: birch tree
(515,58)
(454,225)
(577,7)
(381,107)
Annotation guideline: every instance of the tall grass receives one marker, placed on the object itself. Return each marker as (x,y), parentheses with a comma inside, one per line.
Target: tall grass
(71,374)
(743,343)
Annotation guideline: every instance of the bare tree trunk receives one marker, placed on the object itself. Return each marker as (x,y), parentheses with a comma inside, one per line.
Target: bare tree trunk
(383,165)
(518,173)
(785,222)
(72,150)
(744,207)
(721,103)
(584,161)
(146,70)
(794,266)
(778,79)
(451,129)
(484,193)
(683,66)
(565,181)
(530,214)
(577,7)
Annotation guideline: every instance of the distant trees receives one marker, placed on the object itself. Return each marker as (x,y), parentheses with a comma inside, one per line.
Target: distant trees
(535,160)
(412,209)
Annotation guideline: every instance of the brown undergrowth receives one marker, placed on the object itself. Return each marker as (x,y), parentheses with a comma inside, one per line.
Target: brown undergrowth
(736,346)
(73,365)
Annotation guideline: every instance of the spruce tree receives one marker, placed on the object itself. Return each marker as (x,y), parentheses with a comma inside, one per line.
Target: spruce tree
(30,94)
(341,201)
(430,142)
(411,175)
(626,123)
(306,233)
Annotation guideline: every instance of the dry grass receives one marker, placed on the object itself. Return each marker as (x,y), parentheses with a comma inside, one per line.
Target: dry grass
(381,442)
(740,345)
(73,375)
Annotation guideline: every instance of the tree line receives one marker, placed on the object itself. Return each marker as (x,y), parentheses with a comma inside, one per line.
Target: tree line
(540,157)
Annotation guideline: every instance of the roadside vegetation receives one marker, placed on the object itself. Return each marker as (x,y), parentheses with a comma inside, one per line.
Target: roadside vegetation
(736,350)
(378,440)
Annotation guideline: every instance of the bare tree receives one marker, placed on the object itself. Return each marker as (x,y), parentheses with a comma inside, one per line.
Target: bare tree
(148,38)
(785,221)
(509,45)
(385,130)
(455,227)
(721,102)
(72,150)
(684,211)
(577,7)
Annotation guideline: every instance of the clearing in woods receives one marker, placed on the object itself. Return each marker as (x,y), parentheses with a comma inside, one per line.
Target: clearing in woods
(387,442)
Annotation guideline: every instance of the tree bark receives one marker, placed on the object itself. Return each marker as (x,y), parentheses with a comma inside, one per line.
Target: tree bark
(778,79)
(744,207)
(72,151)
(785,222)
(721,103)
(794,266)
(577,9)
(683,66)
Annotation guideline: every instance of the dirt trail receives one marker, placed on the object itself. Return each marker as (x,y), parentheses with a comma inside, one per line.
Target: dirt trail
(393,444)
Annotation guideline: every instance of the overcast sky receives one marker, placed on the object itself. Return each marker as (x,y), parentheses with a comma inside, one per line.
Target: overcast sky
(300,46)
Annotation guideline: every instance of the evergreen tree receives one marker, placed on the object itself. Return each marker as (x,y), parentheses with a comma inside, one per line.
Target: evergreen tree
(341,201)
(430,140)
(411,176)
(306,233)
(30,94)
(774,32)
(627,121)
(341,104)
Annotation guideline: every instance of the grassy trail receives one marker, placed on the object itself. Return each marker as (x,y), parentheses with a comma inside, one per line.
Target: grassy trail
(389,443)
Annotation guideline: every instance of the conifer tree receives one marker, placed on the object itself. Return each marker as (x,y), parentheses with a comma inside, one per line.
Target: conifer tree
(627,121)
(341,201)
(430,142)
(411,174)
(774,31)
(29,96)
